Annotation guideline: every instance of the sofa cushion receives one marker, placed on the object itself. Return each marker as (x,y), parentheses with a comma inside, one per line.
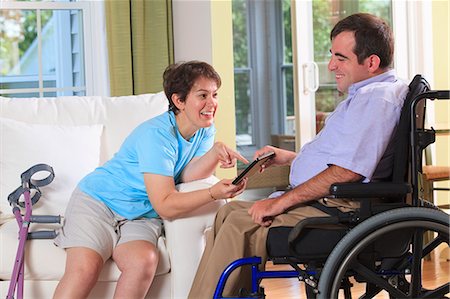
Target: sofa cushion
(72,151)
(119,115)
(129,110)
(45,261)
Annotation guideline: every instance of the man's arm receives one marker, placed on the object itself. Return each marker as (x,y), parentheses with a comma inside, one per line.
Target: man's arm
(315,188)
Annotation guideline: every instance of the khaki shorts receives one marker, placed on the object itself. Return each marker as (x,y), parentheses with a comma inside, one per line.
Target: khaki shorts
(90,223)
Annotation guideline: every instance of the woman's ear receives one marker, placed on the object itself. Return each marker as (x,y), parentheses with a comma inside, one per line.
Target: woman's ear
(177,101)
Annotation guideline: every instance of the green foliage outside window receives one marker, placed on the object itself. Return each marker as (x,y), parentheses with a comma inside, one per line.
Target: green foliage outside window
(18,30)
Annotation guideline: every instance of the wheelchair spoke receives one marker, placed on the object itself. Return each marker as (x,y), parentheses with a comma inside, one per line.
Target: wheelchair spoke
(374,278)
(438,292)
(416,271)
(360,252)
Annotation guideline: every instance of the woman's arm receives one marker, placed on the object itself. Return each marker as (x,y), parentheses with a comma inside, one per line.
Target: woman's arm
(170,204)
(204,166)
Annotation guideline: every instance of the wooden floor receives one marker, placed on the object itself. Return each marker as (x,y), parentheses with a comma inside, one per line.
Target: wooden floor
(435,272)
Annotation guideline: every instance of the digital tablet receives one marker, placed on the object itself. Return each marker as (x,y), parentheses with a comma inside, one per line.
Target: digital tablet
(253,167)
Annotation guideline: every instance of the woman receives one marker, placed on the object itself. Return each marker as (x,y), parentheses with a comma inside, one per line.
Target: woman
(115,212)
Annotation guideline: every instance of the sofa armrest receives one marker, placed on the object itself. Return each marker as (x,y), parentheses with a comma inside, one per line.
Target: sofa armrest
(185,238)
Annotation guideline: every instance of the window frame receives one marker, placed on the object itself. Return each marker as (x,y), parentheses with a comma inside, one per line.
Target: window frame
(94,49)
(265,78)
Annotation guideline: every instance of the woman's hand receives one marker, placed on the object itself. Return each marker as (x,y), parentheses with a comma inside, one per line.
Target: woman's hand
(225,189)
(227,157)
(282,157)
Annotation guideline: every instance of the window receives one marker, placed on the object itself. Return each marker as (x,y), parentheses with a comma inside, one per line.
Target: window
(263,64)
(44,49)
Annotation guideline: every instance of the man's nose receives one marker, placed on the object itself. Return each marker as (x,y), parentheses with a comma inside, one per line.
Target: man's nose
(331,65)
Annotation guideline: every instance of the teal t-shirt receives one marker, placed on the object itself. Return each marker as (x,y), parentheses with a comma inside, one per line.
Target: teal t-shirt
(155,146)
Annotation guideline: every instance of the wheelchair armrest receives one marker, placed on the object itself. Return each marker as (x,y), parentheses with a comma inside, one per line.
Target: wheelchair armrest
(371,190)
(308,222)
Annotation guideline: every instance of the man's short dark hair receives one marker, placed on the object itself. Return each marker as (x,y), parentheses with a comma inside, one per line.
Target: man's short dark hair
(372,36)
(180,77)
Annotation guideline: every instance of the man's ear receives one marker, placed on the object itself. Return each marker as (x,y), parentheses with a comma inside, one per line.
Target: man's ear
(373,63)
(177,101)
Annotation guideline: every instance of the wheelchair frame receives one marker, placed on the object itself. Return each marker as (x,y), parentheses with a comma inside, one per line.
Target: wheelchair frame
(342,263)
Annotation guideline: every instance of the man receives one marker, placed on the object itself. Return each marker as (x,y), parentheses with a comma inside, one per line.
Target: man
(354,145)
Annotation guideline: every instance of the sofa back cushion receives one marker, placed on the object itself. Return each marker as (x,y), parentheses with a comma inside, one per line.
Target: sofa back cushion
(72,134)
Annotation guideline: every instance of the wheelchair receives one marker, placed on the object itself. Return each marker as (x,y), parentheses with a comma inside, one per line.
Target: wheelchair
(382,244)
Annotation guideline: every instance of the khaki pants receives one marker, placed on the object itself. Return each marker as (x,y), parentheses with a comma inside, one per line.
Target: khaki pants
(234,236)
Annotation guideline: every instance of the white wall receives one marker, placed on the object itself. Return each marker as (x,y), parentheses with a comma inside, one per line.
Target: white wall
(192,30)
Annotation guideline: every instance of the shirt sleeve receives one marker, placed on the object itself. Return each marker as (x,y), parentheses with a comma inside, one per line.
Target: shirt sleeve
(207,141)
(156,152)
(366,131)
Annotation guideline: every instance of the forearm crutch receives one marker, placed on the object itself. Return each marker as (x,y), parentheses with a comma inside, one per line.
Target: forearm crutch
(21,198)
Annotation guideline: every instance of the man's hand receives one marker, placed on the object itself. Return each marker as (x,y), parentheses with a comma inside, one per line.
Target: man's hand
(226,156)
(264,211)
(282,157)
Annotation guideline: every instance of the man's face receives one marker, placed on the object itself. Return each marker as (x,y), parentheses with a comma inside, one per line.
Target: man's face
(344,63)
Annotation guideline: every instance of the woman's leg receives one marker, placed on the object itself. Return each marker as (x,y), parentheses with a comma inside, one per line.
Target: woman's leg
(137,260)
(83,266)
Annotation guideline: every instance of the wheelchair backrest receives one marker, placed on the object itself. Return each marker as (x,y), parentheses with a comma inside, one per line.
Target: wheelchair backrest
(402,147)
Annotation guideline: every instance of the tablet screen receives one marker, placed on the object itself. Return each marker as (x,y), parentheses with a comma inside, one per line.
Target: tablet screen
(253,167)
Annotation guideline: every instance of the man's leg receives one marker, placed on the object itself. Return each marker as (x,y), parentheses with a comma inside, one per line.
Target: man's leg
(235,236)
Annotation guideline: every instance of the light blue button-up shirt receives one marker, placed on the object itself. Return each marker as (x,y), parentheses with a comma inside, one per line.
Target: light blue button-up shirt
(357,135)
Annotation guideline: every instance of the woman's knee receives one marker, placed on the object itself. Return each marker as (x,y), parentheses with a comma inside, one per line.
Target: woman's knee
(141,257)
(83,262)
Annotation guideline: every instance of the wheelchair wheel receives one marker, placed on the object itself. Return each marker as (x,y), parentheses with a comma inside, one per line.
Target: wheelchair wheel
(402,278)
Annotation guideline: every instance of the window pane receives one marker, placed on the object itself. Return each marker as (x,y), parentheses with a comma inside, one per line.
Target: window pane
(243,108)
(41,49)
(242,80)
(18,32)
(286,69)
(287,32)
(326,14)
(240,40)
(64,43)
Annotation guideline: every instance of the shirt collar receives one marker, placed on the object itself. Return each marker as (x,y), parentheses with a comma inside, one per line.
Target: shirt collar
(389,76)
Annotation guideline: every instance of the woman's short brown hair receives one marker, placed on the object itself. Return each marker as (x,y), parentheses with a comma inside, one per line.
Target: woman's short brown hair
(180,77)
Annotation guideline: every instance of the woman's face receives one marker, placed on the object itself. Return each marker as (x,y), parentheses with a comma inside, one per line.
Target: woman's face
(199,107)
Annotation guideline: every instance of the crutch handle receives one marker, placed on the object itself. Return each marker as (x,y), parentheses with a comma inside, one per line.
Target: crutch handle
(45,219)
(43,234)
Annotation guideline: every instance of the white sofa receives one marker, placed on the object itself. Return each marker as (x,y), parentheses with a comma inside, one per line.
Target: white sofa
(74,135)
